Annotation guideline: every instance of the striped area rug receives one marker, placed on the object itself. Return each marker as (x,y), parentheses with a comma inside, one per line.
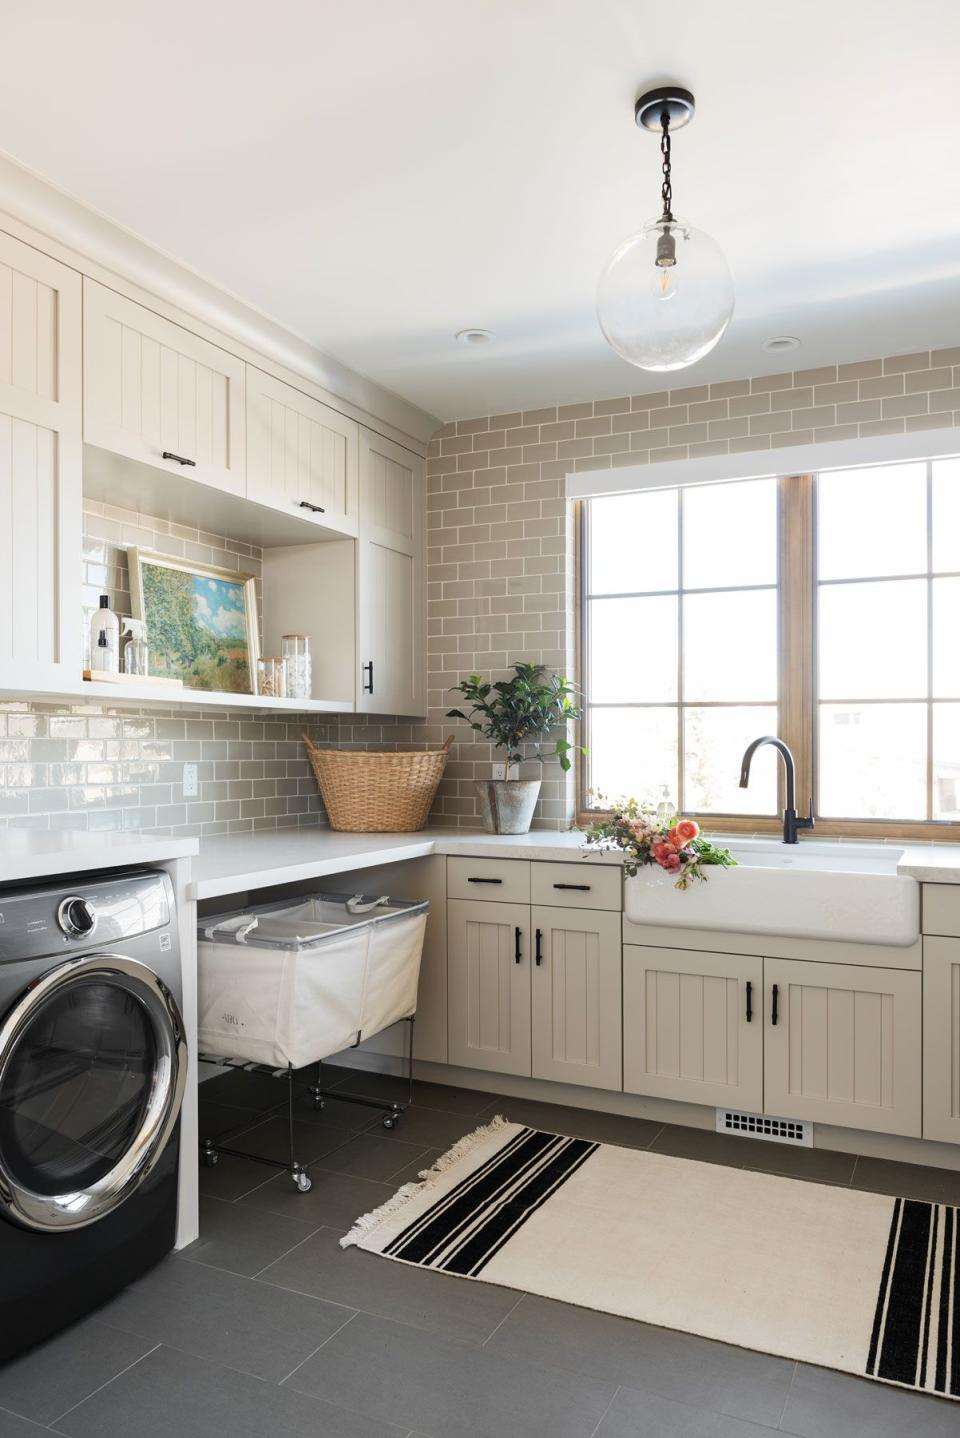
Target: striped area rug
(831,1276)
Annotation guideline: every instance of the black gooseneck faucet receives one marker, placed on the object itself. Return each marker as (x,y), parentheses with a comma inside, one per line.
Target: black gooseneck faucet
(792,821)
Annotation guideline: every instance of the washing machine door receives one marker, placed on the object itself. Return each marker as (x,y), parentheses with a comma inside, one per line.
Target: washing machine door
(93,1064)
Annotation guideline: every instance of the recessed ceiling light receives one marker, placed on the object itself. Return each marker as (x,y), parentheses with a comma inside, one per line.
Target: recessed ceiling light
(780,343)
(473,337)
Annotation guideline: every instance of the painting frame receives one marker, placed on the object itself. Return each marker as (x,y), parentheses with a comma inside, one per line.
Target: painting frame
(140,560)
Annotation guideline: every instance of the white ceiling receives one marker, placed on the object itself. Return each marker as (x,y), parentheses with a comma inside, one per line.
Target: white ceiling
(377,174)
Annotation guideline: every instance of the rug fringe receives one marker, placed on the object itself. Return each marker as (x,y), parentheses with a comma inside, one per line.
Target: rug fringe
(368,1221)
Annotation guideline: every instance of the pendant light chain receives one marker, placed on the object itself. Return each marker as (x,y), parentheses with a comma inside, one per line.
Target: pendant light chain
(666,191)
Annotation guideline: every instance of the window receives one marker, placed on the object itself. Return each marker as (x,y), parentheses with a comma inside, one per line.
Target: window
(825,609)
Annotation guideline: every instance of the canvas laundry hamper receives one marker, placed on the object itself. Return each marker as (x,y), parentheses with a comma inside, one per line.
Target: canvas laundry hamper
(293,982)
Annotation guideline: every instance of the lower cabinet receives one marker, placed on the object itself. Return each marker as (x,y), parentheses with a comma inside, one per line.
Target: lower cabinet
(941,1037)
(535,992)
(488,985)
(843,1045)
(577,1003)
(833,1043)
(693,1026)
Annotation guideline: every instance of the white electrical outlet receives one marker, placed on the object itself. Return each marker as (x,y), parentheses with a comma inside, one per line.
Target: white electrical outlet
(191,782)
(500,771)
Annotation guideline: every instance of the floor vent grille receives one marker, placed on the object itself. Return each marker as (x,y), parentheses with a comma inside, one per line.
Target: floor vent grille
(795,1131)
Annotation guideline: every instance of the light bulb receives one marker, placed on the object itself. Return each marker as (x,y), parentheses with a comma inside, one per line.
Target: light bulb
(663,316)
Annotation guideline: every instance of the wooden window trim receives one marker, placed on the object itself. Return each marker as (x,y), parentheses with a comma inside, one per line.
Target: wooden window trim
(797,680)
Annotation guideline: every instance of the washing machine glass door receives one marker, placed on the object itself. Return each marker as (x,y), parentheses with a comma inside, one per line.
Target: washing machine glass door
(92,1072)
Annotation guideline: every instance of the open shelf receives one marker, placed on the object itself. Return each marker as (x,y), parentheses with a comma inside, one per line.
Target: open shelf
(150,694)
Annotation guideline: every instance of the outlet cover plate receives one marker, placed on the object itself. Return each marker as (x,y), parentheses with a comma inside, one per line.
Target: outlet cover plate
(500,771)
(191,782)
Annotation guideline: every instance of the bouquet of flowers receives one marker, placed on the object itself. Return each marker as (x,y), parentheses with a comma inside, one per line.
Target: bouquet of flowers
(675,844)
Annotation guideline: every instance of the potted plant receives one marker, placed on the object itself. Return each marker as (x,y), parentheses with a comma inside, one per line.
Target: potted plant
(517,715)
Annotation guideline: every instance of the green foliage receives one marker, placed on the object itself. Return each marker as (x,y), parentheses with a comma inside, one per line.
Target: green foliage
(520,711)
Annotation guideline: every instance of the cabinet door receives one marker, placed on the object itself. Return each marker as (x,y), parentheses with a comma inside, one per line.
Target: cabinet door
(151,387)
(41,622)
(489,985)
(941,1038)
(692,1028)
(391,597)
(301,454)
(577,1000)
(845,1047)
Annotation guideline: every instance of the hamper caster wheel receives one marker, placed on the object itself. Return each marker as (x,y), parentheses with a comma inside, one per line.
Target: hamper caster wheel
(390,1120)
(210,1157)
(302,1183)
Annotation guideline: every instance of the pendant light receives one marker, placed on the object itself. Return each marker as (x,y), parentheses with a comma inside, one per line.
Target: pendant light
(666,295)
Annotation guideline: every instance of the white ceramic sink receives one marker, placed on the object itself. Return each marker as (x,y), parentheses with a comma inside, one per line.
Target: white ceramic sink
(810,890)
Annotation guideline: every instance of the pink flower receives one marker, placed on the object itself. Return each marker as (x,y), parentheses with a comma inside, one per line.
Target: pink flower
(686,830)
(661,851)
(670,861)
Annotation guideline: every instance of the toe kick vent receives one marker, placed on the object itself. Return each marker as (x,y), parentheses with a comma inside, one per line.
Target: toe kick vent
(798,1132)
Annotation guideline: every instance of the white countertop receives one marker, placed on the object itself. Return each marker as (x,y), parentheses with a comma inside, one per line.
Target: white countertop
(27,854)
(236,862)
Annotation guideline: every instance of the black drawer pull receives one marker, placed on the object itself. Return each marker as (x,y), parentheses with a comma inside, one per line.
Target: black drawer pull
(749,1002)
(178,459)
(368,682)
(517,956)
(313,508)
(484,881)
(774,1010)
(581,888)
(538,952)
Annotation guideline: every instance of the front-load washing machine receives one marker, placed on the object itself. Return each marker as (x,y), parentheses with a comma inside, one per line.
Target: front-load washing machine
(93,1065)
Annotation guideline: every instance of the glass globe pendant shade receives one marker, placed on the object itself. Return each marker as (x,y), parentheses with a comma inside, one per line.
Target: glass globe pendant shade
(665,296)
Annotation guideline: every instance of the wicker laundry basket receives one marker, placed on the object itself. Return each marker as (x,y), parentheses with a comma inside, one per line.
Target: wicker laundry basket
(368,793)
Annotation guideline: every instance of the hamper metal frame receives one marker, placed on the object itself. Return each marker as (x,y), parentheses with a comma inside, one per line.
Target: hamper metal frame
(212,1148)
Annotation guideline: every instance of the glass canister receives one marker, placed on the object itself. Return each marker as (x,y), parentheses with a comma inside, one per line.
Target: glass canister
(272,677)
(296,653)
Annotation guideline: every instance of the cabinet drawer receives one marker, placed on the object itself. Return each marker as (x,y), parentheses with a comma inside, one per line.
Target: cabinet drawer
(506,880)
(576,886)
(941,910)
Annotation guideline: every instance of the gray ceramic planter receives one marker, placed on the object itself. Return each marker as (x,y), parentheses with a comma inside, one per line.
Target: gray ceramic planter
(507,805)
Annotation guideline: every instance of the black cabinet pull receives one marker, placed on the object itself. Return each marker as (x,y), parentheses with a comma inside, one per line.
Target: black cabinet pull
(749,1002)
(517,956)
(484,881)
(774,1010)
(368,682)
(178,459)
(313,508)
(582,888)
(538,951)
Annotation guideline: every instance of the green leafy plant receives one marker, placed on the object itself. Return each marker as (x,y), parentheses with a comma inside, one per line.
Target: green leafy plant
(520,711)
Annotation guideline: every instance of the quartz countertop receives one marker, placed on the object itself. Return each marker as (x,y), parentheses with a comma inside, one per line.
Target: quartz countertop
(233,863)
(27,854)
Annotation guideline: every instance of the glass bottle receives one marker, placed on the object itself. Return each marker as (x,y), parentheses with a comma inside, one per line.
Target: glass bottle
(272,677)
(105,638)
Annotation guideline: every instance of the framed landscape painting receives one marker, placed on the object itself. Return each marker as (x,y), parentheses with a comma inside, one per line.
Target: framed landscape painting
(201,621)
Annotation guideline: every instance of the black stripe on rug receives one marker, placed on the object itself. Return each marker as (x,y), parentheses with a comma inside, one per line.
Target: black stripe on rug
(916,1327)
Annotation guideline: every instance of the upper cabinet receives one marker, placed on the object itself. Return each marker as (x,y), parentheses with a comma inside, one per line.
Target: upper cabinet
(302,455)
(40,468)
(390,579)
(154,392)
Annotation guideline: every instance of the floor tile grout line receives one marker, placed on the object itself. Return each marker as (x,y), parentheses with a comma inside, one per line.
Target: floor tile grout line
(606,1410)
(513,1309)
(786,1396)
(100,1386)
(648,1146)
(343,1325)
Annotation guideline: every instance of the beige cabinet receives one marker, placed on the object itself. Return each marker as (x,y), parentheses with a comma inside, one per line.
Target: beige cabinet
(843,1044)
(941,1039)
(302,455)
(154,392)
(693,1026)
(40,469)
(576,999)
(488,985)
(391,594)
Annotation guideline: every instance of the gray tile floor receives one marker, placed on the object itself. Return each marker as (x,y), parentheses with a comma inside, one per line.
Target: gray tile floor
(265,1328)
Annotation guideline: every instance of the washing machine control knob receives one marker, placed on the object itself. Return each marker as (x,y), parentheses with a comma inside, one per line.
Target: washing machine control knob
(76,917)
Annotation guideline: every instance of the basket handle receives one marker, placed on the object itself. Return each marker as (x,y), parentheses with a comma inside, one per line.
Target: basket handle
(357,906)
(445,746)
